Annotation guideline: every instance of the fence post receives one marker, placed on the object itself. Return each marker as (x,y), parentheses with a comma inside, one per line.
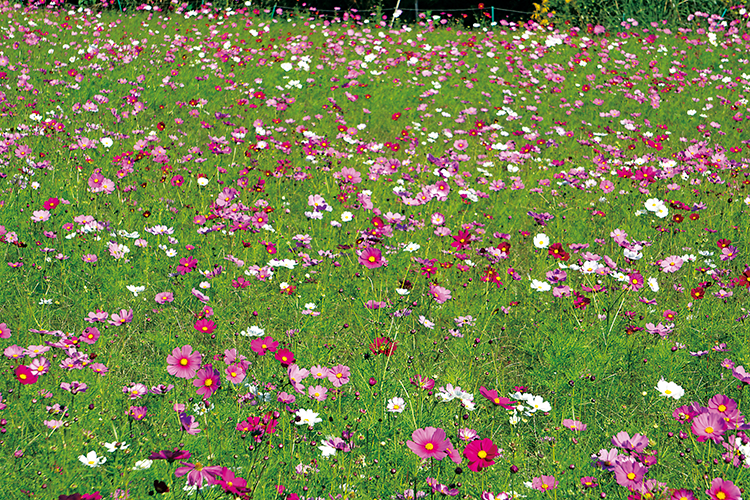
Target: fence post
(274,10)
(416,11)
(493,13)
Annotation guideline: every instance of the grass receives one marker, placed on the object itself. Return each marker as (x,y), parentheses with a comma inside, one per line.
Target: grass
(392,204)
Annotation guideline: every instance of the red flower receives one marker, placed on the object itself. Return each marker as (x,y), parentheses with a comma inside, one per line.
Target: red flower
(697,293)
(383,345)
(723,243)
(396,116)
(25,375)
(285,357)
(556,250)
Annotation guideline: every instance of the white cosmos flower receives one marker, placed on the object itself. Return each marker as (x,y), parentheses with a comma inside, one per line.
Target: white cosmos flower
(662,212)
(653,284)
(136,289)
(202,181)
(653,204)
(114,446)
(541,240)
(143,464)
(589,267)
(308,417)
(540,286)
(91,459)
(106,142)
(670,389)
(412,247)
(327,450)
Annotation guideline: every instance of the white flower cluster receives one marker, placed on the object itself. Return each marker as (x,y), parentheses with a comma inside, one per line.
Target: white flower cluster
(658,207)
(528,406)
(449,393)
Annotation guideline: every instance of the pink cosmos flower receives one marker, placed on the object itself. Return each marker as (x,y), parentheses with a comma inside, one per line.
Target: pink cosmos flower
(709,426)
(671,264)
(40,216)
(351,175)
(544,483)
(90,335)
(197,473)
(122,318)
(723,490)
(183,362)
(4,331)
(682,494)
(372,258)
(574,425)
(318,372)
(207,381)
(338,375)
(637,443)
(235,373)
(439,293)
(630,474)
(318,393)
(429,442)
(296,376)
(164,297)
(607,186)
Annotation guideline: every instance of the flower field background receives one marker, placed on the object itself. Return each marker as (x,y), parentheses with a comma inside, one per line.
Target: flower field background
(251,254)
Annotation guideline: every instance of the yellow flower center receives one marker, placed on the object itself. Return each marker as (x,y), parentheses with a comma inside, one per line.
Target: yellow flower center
(497,401)
(709,430)
(722,408)
(339,375)
(429,446)
(22,376)
(631,475)
(283,358)
(208,382)
(371,258)
(545,486)
(482,454)
(184,361)
(668,391)
(721,495)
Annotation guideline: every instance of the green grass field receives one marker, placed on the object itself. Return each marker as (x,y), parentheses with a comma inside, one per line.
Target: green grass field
(308,258)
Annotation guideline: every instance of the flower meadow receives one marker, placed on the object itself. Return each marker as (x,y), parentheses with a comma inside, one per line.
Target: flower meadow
(259,254)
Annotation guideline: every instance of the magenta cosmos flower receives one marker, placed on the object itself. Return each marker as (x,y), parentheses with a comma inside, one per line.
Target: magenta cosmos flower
(205,326)
(496,399)
(723,490)
(183,362)
(480,454)
(372,258)
(439,293)
(429,443)
(208,381)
